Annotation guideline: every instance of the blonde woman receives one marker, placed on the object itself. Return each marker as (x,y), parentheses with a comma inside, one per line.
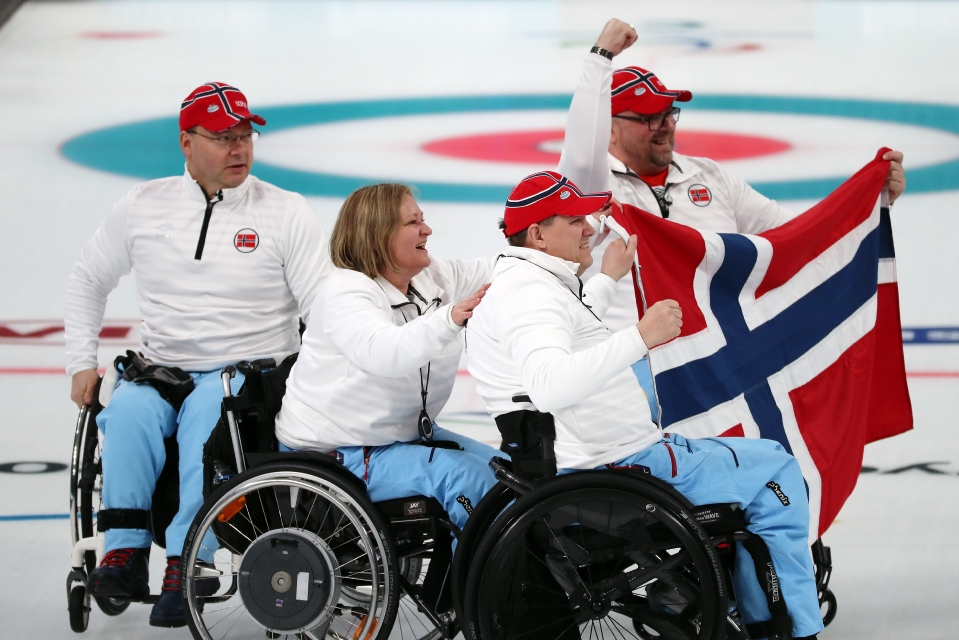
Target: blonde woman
(380,355)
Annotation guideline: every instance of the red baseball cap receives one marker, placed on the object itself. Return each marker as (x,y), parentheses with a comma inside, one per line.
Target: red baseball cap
(215,106)
(640,91)
(546,194)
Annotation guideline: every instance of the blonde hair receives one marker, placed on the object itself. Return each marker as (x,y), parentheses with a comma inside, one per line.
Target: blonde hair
(364,229)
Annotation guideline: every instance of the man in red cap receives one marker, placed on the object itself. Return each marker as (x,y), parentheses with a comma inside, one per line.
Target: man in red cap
(224,264)
(620,136)
(539,344)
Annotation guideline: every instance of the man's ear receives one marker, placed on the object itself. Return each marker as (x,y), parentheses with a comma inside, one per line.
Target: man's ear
(534,237)
(186,145)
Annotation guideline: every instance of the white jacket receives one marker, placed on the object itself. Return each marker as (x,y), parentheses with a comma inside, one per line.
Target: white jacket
(729,206)
(538,333)
(357,379)
(235,303)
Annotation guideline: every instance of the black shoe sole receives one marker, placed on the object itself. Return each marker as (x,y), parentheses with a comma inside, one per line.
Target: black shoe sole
(168,624)
(108,587)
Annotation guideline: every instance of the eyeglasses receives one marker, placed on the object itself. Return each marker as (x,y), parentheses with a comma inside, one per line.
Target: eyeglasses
(655,121)
(228,141)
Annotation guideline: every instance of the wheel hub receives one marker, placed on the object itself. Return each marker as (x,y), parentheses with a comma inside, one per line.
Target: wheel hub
(288,580)
(598,607)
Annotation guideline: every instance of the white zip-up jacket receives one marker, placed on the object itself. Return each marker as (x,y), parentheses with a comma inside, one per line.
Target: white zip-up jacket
(366,353)
(704,196)
(263,257)
(538,333)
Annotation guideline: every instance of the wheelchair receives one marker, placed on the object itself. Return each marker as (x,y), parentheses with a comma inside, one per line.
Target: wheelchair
(88,519)
(614,553)
(288,544)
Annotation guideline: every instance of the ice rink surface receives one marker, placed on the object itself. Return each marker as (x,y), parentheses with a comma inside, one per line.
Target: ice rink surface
(876,74)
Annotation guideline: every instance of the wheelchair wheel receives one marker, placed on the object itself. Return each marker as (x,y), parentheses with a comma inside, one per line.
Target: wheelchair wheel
(596,555)
(298,551)
(78,606)
(492,504)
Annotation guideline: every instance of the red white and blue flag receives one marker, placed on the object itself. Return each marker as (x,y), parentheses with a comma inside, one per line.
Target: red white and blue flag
(792,335)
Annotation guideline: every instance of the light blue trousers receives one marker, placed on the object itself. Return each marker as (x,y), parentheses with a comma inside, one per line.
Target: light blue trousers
(456,479)
(741,471)
(134,425)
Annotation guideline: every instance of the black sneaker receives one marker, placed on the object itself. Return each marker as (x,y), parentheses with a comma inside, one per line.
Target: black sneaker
(169,610)
(123,573)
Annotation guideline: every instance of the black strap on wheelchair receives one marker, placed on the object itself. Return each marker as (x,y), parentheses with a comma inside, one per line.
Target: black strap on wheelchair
(124,519)
(528,439)
(780,623)
(172,383)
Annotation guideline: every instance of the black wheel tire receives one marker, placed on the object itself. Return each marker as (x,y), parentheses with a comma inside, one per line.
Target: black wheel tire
(348,484)
(829,602)
(492,504)
(111,606)
(78,605)
(604,483)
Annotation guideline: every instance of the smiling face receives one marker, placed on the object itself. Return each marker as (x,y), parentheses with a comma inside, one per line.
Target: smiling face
(567,237)
(645,152)
(408,245)
(215,166)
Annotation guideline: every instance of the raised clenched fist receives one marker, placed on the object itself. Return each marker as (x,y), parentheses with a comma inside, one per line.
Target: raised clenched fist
(661,323)
(616,36)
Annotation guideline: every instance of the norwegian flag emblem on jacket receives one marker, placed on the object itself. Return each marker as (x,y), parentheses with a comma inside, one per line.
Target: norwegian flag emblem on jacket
(792,335)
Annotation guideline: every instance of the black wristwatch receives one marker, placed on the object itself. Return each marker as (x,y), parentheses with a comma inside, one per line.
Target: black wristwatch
(603,52)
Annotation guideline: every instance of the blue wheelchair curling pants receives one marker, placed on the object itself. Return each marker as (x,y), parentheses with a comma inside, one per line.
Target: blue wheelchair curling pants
(456,479)
(766,483)
(134,425)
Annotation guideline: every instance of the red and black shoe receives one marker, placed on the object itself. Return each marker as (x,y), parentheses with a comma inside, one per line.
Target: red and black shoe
(170,610)
(123,573)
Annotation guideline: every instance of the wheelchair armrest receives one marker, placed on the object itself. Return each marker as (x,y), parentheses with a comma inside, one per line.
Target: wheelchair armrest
(503,470)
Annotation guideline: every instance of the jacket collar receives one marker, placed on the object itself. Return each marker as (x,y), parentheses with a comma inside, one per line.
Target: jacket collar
(680,169)
(424,290)
(562,269)
(194,192)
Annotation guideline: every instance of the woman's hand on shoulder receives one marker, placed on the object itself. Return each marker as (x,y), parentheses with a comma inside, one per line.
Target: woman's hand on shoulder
(463,310)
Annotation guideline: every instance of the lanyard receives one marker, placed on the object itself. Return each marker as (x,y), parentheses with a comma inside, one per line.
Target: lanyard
(424,423)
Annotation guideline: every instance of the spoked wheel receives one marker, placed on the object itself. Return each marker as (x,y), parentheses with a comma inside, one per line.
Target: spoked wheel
(596,555)
(298,552)
(413,622)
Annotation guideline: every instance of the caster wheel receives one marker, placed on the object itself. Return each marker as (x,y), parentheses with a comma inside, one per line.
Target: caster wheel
(78,605)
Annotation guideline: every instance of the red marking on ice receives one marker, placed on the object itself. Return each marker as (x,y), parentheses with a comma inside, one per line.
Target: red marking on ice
(107,332)
(120,35)
(527,146)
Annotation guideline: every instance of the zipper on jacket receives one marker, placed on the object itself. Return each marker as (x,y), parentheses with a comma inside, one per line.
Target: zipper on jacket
(663,201)
(206,222)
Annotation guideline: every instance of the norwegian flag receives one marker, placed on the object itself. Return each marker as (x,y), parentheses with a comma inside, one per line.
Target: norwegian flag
(246,240)
(792,335)
(699,195)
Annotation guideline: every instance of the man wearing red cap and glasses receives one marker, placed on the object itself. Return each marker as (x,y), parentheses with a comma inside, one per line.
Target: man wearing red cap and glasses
(224,264)
(538,344)
(620,136)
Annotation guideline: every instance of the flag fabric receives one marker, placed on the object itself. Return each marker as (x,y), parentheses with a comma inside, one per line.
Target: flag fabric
(792,335)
